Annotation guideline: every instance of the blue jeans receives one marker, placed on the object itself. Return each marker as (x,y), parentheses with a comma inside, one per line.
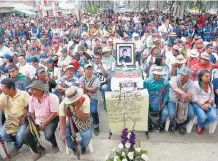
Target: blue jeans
(85,135)
(163,116)
(94,113)
(104,88)
(204,117)
(18,137)
(172,112)
(138,57)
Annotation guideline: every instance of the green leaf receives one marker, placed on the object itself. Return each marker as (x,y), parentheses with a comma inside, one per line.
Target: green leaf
(143,152)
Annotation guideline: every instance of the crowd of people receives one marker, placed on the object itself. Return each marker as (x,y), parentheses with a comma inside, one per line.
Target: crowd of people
(53,68)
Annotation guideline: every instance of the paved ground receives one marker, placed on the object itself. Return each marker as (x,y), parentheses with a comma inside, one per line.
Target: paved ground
(160,146)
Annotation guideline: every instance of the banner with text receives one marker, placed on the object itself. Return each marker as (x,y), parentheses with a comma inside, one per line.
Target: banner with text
(127,110)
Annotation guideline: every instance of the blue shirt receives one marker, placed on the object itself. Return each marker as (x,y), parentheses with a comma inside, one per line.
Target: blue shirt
(215,87)
(29,57)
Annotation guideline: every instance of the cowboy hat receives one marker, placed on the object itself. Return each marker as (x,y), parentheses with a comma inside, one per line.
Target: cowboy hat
(91,22)
(180,59)
(153,47)
(106,49)
(205,55)
(158,70)
(173,34)
(194,53)
(73,94)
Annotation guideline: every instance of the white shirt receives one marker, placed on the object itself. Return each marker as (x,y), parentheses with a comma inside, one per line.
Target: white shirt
(170,59)
(138,45)
(27,70)
(163,28)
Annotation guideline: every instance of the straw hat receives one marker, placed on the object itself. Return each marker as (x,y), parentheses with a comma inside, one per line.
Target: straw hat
(180,59)
(173,34)
(73,94)
(176,47)
(106,49)
(153,47)
(158,70)
(91,22)
(205,55)
(194,53)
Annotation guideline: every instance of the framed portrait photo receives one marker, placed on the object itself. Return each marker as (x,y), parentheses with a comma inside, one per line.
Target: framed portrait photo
(125,54)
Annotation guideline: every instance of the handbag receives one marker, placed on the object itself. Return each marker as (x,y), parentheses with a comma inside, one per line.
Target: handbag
(102,79)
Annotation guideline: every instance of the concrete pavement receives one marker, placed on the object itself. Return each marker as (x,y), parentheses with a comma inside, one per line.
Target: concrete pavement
(160,146)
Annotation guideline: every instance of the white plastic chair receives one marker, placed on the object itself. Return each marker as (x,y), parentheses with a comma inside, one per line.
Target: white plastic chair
(189,126)
(90,146)
(212,127)
(214,74)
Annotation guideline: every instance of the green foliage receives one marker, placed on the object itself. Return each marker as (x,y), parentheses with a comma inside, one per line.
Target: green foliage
(91,7)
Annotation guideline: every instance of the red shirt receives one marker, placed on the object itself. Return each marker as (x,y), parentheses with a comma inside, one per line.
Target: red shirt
(197,68)
(193,61)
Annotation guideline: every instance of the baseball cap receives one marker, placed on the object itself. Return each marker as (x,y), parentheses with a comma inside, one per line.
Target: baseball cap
(87,65)
(50,61)
(40,69)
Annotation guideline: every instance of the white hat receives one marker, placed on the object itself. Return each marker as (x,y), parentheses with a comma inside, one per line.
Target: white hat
(106,34)
(70,43)
(110,39)
(125,35)
(106,49)
(205,55)
(84,34)
(194,53)
(70,66)
(183,39)
(158,70)
(91,22)
(88,65)
(135,34)
(73,94)
(180,59)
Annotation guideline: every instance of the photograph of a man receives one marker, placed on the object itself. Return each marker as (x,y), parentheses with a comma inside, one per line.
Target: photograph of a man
(124,57)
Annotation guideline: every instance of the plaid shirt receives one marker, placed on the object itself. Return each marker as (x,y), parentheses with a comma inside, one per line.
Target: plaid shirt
(49,104)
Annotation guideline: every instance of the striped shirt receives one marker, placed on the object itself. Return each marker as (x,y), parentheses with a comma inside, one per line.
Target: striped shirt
(49,104)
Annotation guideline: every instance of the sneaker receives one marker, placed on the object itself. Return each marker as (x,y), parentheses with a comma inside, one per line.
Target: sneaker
(96,131)
(14,152)
(83,151)
(151,127)
(55,149)
(36,156)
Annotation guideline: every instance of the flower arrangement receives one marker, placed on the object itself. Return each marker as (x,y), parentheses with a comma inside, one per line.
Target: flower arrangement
(127,150)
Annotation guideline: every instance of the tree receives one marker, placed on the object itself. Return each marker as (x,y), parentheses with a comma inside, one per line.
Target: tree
(179,8)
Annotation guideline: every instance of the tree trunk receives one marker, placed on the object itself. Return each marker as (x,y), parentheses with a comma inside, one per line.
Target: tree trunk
(179,9)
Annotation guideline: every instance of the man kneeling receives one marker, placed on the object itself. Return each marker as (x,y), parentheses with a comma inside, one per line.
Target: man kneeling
(76,107)
(43,108)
